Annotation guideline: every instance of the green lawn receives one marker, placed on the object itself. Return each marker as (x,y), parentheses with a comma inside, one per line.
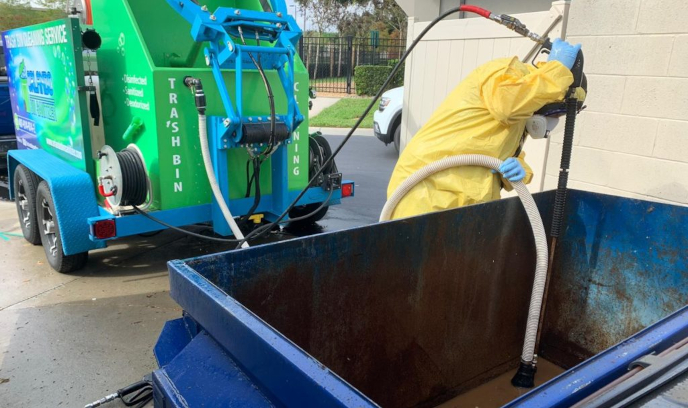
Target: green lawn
(344,114)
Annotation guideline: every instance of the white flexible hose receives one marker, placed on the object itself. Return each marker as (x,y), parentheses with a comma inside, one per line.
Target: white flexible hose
(203,135)
(535,223)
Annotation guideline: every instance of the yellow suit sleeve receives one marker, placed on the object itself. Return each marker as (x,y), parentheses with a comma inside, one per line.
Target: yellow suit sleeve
(529,173)
(517,91)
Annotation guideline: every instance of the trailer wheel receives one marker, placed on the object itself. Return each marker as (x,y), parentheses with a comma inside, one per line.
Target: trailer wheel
(303,210)
(50,234)
(320,151)
(25,184)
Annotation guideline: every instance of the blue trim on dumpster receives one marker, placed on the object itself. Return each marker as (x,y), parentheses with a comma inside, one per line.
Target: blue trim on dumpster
(73,194)
(279,368)
(202,363)
(590,376)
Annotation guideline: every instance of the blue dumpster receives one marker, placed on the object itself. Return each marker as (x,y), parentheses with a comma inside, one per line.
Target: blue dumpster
(417,312)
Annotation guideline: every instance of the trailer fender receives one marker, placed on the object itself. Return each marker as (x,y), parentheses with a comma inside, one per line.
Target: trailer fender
(73,193)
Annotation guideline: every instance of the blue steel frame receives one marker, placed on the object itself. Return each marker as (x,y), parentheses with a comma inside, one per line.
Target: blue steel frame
(220,29)
(281,33)
(77,209)
(135,224)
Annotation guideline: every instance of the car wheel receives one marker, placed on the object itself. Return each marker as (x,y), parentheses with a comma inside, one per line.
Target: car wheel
(50,234)
(397,137)
(25,185)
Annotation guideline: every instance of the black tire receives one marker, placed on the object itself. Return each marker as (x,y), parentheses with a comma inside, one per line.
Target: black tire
(303,210)
(397,137)
(326,150)
(318,145)
(25,185)
(50,234)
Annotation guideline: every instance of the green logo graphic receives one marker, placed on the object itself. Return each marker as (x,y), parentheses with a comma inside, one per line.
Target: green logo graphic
(24,87)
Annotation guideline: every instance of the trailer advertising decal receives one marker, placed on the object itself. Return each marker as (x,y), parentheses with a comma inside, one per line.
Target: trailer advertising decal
(44,74)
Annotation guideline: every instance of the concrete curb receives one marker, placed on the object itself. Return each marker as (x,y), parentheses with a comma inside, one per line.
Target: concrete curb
(342,131)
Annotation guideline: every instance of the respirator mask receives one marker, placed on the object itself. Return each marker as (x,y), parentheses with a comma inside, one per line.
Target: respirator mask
(540,126)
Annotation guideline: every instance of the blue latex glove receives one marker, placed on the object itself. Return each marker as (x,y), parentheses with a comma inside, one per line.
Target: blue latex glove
(564,52)
(512,170)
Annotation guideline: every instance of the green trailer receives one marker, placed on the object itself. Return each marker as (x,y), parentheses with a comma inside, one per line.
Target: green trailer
(162,114)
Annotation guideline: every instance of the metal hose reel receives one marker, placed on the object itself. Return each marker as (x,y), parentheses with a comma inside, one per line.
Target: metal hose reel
(123,180)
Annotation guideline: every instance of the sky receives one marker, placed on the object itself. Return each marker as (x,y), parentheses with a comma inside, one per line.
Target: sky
(298,16)
(290,3)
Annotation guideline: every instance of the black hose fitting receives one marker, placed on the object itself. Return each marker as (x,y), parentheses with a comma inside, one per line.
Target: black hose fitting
(525,376)
(196,87)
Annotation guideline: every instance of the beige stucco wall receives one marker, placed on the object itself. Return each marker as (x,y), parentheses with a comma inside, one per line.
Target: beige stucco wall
(632,140)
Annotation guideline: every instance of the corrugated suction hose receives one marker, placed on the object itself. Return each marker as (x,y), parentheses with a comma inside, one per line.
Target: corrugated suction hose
(533,216)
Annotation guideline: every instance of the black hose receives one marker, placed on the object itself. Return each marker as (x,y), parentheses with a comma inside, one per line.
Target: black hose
(257,162)
(134,180)
(183,231)
(268,89)
(567,148)
(255,234)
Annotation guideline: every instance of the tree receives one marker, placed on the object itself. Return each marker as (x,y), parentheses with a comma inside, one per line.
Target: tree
(324,15)
(19,13)
(368,12)
(389,12)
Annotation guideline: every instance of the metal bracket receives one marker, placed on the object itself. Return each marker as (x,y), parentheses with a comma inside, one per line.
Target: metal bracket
(645,361)
(333,181)
(277,29)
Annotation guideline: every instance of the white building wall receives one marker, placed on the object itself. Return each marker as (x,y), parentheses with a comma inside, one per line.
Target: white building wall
(632,140)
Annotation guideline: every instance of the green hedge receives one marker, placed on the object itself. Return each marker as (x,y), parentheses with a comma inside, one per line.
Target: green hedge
(369,78)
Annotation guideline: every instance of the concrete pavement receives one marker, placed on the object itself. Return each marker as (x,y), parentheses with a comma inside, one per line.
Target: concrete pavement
(320,104)
(67,340)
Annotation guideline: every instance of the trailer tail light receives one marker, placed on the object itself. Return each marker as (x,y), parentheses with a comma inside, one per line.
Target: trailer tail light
(104,229)
(347,189)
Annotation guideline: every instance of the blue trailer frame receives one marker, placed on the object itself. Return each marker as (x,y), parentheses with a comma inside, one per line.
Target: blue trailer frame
(78,210)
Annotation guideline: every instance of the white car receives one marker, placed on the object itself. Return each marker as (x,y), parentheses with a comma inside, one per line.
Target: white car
(387,118)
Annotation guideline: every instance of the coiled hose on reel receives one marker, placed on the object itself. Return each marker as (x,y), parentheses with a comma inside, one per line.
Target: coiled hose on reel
(536,224)
(134,179)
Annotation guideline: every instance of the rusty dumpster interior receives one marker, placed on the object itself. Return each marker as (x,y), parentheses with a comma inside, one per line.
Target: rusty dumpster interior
(418,312)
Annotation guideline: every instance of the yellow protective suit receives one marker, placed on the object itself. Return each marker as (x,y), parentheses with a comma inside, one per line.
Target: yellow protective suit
(485,114)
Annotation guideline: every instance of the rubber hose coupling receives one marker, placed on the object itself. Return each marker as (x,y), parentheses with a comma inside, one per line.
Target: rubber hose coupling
(525,376)
(196,87)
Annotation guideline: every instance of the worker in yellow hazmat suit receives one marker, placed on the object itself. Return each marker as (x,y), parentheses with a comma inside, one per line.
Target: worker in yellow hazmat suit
(485,114)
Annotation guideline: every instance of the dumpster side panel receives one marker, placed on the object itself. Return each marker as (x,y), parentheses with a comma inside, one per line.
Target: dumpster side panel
(621,265)
(428,306)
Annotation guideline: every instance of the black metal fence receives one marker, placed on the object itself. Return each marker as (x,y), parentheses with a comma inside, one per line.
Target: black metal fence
(331,61)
